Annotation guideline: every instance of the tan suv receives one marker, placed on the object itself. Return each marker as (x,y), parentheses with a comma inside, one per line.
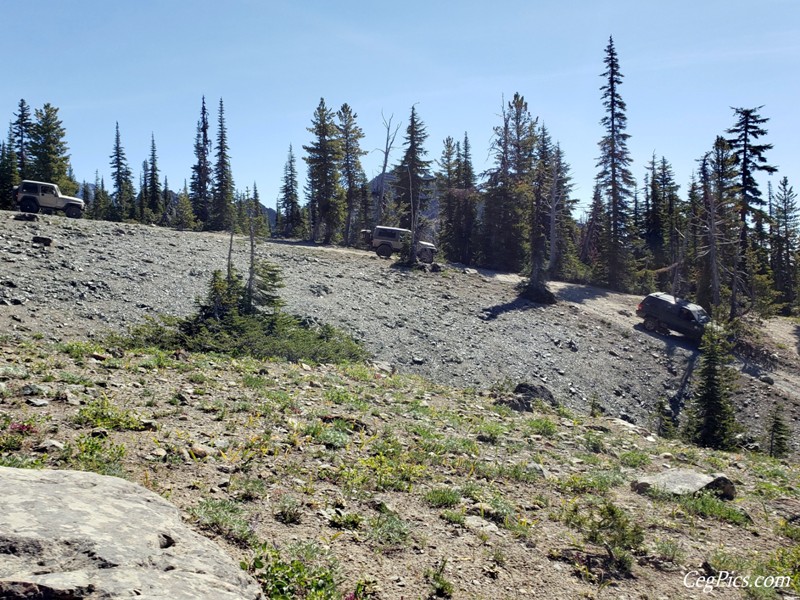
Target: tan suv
(387,240)
(35,196)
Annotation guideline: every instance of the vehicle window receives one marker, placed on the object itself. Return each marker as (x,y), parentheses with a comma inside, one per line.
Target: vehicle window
(387,233)
(49,190)
(701,316)
(30,188)
(686,314)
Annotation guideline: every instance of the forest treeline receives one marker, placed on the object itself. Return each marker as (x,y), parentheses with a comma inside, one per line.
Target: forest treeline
(723,241)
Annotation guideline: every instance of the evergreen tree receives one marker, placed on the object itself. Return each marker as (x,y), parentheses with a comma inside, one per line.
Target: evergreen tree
(141,198)
(259,215)
(9,177)
(325,194)
(155,207)
(411,186)
(21,128)
(447,186)
(48,150)
(778,434)
(222,198)
(563,258)
(289,199)
(614,178)
(200,191)
(784,243)
(750,160)
(508,189)
(712,421)
(101,208)
(184,218)
(85,193)
(594,238)
(544,182)
(654,217)
(122,190)
(353,178)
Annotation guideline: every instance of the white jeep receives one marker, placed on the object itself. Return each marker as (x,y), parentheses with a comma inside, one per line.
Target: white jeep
(35,196)
(386,240)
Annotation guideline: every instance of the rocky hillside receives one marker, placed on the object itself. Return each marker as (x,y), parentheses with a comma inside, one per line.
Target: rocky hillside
(458,326)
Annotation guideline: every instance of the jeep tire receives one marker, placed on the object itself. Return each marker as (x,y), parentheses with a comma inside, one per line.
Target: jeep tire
(29,205)
(384,251)
(73,211)
(651,324)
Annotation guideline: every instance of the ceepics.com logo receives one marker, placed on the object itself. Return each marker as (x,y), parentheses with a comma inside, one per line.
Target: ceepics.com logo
(728,579)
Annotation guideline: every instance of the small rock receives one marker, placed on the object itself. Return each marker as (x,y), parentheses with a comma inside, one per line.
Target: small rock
(200,451)
(49,446)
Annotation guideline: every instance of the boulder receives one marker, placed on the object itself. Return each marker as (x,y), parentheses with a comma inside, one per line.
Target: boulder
(685,481)
(525,394)
(70,534)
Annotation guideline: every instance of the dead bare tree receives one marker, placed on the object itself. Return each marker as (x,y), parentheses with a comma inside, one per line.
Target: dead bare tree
(390,137)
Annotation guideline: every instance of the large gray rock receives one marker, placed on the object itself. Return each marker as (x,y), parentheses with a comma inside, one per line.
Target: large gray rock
(686,481)
(75,535)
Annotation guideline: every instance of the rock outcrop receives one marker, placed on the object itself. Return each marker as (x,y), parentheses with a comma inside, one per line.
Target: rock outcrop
(76,535)
(686,481)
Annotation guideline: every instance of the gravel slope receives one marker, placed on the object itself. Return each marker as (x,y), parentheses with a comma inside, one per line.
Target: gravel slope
(458,326)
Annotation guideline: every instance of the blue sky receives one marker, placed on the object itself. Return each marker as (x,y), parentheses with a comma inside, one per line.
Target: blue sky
(146,64)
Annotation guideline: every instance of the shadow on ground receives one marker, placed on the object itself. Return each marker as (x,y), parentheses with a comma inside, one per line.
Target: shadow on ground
(573,292)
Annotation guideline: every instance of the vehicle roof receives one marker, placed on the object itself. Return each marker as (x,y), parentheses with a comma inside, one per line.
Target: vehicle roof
(675,300)
(391,228)
(39,182)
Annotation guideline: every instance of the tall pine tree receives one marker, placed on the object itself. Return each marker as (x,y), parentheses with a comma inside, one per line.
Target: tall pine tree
(353,178)
(411,177)
(614,179)
(750,160)
(48,150)
(122,189)
(200,187)
(21,128)
(289,199)
(222,199)
(325,194)
(155,206)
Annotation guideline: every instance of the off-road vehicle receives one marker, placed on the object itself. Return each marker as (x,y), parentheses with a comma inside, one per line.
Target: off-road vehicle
(35,196)
(664,313)
(387,240)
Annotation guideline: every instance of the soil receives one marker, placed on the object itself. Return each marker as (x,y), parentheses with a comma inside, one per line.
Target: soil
(471,338)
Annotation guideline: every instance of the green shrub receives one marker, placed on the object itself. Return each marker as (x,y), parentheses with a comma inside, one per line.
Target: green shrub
(634,459)
(102,413)
(388,531)
(608,526)
(95,454)
(288,510)
(308,572)
(544,427)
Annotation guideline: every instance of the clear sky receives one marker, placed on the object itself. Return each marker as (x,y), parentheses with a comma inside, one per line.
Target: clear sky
(147,63)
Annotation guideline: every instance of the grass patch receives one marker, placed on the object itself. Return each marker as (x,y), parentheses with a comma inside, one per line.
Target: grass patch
(442,497)
(103,413)
(710,506)
(544,427)
(634,459)
(224,517)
